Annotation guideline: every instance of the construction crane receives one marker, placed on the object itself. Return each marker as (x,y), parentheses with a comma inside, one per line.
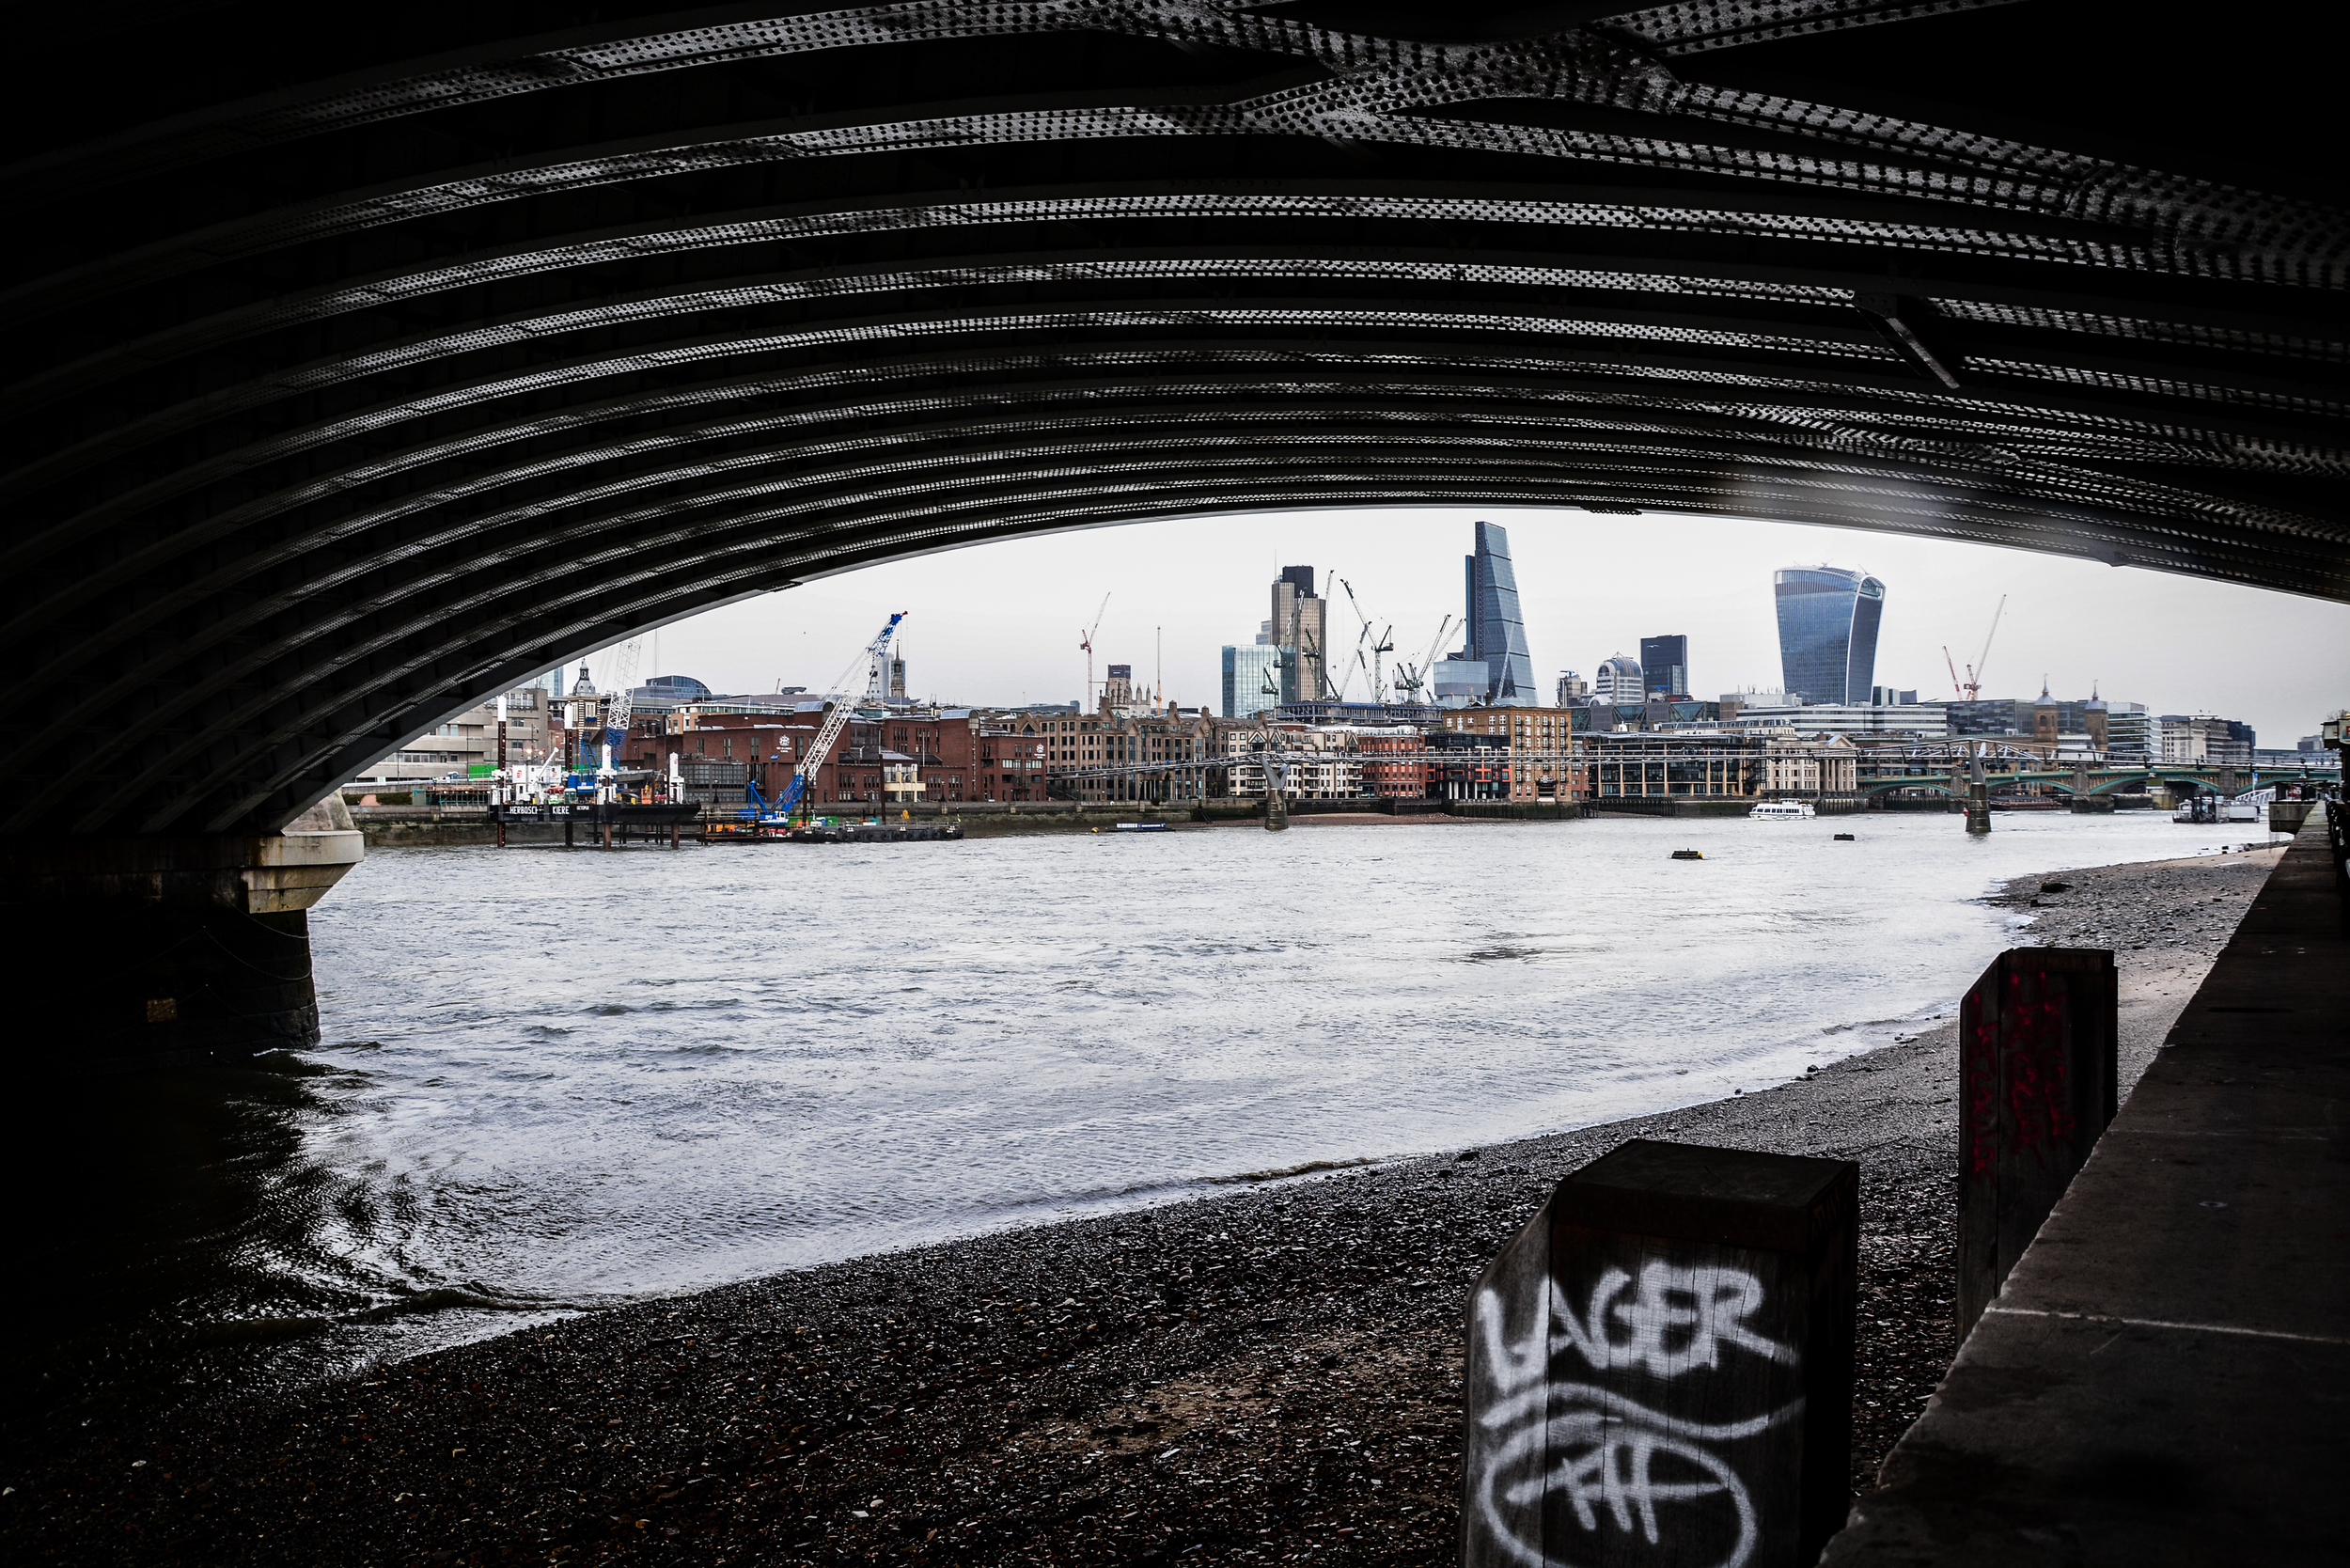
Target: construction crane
(1383,644)
(1956,690)
(1974,671)
(1084,640)
(876,656)
(1413,679)
(617,706)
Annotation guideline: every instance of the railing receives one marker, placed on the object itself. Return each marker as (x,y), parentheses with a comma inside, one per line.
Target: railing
(2338,842)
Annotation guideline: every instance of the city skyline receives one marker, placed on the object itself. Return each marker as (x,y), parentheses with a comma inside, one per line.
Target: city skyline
(988,623)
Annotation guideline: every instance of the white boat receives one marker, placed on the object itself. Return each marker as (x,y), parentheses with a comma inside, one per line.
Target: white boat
(1782,811)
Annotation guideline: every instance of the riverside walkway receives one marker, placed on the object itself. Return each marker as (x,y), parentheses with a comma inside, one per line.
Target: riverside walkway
(2166,1377)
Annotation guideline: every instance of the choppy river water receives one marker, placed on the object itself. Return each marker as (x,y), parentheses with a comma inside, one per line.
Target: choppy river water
(579,1078)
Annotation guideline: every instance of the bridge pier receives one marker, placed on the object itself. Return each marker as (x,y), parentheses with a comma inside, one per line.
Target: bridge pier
(166,951)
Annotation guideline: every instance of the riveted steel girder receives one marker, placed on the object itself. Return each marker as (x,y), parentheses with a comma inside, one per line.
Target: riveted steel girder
(349,378)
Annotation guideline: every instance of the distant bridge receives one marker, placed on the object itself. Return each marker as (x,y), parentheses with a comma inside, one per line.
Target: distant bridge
(2229,782)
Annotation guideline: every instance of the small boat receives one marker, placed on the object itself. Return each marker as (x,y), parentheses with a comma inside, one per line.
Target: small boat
(1844,835)
(1782,811)
(1137,827)
(1688,854)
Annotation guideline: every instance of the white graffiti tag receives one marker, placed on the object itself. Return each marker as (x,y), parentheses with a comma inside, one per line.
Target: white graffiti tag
(1615,1461)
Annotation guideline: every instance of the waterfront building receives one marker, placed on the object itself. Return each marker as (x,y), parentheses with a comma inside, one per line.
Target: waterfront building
(1540,742)
(2129,732)
(1258,678)
(1394,761)
(1301,621)
(1008,757)
(1619,683)
(1665,665)
(1827,632)
(467,744)
(1467,765)
(1497,630)
(1699,765)
(2203,740)
(1721,765)
(1924,720)
(1165,747)
(1316,762)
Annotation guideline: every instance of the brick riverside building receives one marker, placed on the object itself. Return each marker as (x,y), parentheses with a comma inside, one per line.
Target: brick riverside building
(1465,765)
(1008,757)
(1395,763)
(1541,738)
(1073,742)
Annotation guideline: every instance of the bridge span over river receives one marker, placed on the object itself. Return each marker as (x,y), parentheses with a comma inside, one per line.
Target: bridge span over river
(2087,781)
(356,369)
(361,362)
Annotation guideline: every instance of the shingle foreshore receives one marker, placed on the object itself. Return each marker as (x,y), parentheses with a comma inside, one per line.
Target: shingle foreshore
(1270,1374)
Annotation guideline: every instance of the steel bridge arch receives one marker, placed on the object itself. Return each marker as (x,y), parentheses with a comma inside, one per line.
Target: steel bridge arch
(354,373)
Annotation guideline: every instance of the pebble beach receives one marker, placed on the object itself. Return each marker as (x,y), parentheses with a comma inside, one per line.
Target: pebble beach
(1269,1373)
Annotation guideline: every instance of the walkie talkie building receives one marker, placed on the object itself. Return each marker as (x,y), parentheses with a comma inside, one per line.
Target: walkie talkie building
(1827,632)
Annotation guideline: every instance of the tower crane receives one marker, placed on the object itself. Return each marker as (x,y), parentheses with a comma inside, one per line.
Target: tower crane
(1956,690)
(1413,679)
(1974,671)
(1381,645)
(1084,640)
(876,656)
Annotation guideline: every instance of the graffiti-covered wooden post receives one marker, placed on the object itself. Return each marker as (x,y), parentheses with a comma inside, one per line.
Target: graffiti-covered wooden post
(1660,1366)
(2037,1082)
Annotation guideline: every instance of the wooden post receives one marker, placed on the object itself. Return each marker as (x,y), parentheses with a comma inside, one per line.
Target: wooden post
(1660,1366)
(568,820)
(2038,1082)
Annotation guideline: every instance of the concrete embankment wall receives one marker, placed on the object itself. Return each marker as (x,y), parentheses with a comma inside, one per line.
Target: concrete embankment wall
(395,826)
(2160,1380)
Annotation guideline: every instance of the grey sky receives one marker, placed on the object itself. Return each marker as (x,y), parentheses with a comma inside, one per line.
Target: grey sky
(1000,622)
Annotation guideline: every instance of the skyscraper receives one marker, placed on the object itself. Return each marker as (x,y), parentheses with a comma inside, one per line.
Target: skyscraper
(1248,670)
(1827,632)
(1301,620)
(1665,664)
(1618,683)
(1496,634)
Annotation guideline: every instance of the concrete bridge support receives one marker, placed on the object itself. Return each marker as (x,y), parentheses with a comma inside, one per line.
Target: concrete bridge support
(168,950)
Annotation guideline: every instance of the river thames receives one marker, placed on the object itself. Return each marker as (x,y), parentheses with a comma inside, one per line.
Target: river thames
(553,1080)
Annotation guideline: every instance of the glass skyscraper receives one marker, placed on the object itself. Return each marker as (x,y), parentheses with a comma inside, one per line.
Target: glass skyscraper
(1665,663)
(1827,632)
(1496,634)
(1249,669)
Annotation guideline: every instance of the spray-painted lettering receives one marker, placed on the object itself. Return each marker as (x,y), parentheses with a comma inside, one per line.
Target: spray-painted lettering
(1619,1464)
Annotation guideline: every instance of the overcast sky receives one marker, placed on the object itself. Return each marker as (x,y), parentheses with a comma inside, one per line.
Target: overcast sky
(999,623)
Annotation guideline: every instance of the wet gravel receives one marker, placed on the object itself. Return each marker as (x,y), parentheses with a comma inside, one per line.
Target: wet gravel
(1267,1376)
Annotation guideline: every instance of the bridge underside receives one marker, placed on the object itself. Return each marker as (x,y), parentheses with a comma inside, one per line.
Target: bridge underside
(354,373)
